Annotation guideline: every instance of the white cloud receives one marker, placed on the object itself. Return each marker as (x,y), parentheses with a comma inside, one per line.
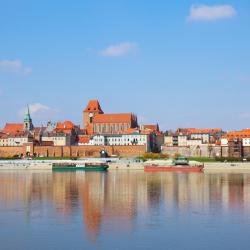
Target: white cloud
(210,13)
(35,109)
(40,112)
(14,66)
(38,107)
(117,50)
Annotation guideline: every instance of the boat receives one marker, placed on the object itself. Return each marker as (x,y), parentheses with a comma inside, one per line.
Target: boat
(80,166)
(180,164)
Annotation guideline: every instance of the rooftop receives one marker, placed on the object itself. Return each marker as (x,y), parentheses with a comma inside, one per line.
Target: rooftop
(113,118)
(94,106)
(13,127)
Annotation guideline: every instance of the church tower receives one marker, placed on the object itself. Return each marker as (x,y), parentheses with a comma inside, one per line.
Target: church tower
(90,111)
(27,121)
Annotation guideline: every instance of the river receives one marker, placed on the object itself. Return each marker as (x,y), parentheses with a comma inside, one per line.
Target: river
(124,210)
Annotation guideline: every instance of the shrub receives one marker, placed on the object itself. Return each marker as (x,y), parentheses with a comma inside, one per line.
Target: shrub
(155,156)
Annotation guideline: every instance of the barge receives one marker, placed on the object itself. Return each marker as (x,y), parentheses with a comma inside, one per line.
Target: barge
(81,166)
(180,164)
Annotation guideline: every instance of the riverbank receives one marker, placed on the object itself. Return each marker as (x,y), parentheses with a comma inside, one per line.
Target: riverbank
(209,167)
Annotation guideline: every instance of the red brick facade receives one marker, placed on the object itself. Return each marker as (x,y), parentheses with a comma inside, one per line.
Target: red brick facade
(72,151)
(96,122)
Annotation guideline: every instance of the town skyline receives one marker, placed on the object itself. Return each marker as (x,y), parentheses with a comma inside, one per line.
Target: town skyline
(33,108)
(179,65)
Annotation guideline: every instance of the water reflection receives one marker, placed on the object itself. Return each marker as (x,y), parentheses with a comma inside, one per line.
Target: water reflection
(115,199)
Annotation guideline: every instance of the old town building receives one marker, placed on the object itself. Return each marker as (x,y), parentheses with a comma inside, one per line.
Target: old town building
(236,143)
(96,122)
(125,139)
(17,134)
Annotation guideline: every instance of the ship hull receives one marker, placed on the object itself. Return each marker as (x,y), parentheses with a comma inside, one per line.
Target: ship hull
(186,168)
(74,168)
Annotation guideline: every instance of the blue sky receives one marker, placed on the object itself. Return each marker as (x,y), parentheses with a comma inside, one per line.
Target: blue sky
(178,63)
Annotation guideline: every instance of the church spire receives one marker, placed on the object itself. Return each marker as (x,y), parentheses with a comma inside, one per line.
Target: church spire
(27,120)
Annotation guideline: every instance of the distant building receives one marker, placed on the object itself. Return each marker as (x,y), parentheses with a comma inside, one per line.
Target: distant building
(96,122)
(61,134)
(183,137)
(17,134)
(58,139)
(125,139)
(236,143)
(235,149)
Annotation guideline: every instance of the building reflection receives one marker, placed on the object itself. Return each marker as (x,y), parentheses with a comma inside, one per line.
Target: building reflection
(117,197)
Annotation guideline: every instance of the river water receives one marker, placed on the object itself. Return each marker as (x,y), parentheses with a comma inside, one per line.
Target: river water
(124,210)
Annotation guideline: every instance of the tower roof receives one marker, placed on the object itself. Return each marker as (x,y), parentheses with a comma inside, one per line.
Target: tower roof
(27,117)
(94,106)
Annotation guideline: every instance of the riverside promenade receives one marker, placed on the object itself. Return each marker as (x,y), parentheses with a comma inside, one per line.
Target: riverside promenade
(118,165)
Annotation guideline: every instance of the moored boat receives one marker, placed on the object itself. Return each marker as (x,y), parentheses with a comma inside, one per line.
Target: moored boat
(177,168)
(180,164)
(81,166)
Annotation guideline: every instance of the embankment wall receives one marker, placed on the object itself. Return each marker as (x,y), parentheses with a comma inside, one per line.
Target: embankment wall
(72,151)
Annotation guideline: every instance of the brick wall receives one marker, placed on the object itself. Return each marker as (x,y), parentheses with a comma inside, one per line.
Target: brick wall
(73,151)
(10,151)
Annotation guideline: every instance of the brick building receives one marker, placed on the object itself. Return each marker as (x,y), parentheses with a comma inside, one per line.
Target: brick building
(235,149)
(96,122)
(237,143)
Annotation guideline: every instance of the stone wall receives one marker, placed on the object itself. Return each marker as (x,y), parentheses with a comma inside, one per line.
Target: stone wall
(193,151)
(246,152)
(73,151)
(224,151)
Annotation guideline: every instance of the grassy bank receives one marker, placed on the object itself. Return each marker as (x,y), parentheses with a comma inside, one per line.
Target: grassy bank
(158,156)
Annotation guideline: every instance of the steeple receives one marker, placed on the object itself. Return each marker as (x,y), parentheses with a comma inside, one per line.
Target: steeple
(28,125)
(90,111)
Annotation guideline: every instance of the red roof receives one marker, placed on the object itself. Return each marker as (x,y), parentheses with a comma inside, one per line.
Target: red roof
(199,130)
(94,106)
(13,127)
(245,133)
(84,140)
(65,125)
(3,136)
(152,127)
(113,118)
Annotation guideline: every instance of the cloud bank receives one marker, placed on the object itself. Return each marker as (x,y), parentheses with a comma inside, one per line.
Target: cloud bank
(117,50)
(211,13)
(14,66)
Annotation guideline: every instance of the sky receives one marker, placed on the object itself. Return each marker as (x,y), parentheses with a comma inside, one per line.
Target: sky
(177,63)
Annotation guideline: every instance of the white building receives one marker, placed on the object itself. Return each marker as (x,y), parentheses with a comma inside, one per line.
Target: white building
(15,139)
(202,136)
(182,140)
(246,142)
(168,140)
(58,139)
(119,140)
(3,140)
(224,142)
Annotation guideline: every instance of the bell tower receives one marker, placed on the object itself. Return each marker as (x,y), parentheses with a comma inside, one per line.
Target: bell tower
(90,111)
(27,121)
